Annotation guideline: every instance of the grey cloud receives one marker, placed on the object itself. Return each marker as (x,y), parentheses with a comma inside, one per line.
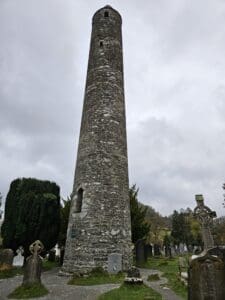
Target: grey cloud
(174,84)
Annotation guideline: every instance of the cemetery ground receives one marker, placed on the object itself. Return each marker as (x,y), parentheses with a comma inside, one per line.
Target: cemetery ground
(102,286)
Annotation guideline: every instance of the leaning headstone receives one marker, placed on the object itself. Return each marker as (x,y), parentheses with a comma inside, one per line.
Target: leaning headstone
(140,251)
(33,265)
(133,276)
(114,263)
(206,277)
(6,258)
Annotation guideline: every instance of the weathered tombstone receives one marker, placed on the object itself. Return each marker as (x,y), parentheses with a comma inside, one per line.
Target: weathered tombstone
(183,269)
(18,259)
(157,250)
(33,265)
(6,258)
(206,278)
(168,252)
(114,263)
(173,252)
(148,250)
(133,276)
(205,216)
(51,255)
(140,251)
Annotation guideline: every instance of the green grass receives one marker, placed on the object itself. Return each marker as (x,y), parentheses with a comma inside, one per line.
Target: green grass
(11,272)
(28,291)
(14,271)
(131,292)
(169,267)
(49,265)
(95,278)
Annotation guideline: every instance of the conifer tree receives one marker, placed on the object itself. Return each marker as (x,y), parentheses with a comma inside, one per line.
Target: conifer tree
(32,212)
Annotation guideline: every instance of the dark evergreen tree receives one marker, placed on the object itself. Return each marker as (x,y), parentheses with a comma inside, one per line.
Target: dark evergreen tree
(32,211)
(139,227)
(64,218)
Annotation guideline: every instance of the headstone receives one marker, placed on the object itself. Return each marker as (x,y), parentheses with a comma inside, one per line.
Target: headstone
(51,255)
(133,276)
(33,265)
(148,250)
(140,251)
(18,259)
(6,257)
(206,277)
(205,216)
(114,263)
(157,250)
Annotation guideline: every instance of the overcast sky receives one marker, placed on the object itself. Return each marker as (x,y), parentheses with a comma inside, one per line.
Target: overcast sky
(174,68)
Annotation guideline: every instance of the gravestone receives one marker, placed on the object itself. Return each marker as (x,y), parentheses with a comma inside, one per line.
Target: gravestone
(206,277)
(140,251)
(133,276)
(6,258)
(148,250)
(157,250)
(205,216)
(33,265)
(51,255)
(18,259)
(114,263)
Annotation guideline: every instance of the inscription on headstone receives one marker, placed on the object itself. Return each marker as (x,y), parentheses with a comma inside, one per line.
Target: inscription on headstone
(114,263)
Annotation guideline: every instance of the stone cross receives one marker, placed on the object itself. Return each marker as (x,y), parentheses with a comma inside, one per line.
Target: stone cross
(33,265)
(36,247)
(205,216)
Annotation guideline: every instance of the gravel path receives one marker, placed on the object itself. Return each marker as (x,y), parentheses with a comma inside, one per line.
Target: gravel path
(158,285)
(58,288)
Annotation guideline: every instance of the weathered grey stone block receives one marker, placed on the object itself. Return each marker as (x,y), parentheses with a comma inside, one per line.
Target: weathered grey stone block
(114,263)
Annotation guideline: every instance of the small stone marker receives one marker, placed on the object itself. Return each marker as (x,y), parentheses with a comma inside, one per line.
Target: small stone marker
(33,265)
(133,276)
(6,258)
(114,263)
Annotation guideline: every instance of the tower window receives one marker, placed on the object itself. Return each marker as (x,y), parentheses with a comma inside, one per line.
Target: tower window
(79,200)
(101,44)
(106,14)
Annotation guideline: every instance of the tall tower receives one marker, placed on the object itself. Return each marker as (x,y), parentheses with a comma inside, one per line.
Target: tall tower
(99,222)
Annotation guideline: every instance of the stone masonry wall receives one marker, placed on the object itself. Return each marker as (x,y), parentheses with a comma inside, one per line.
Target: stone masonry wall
(103,225)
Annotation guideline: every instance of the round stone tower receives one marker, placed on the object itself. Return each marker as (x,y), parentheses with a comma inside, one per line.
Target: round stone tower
(99,223)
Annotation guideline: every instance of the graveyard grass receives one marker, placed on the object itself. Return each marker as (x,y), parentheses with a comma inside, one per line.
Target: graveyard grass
(97,276)
(131,292)
(7,273)
(14,271)
(169,267)
(28,291)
